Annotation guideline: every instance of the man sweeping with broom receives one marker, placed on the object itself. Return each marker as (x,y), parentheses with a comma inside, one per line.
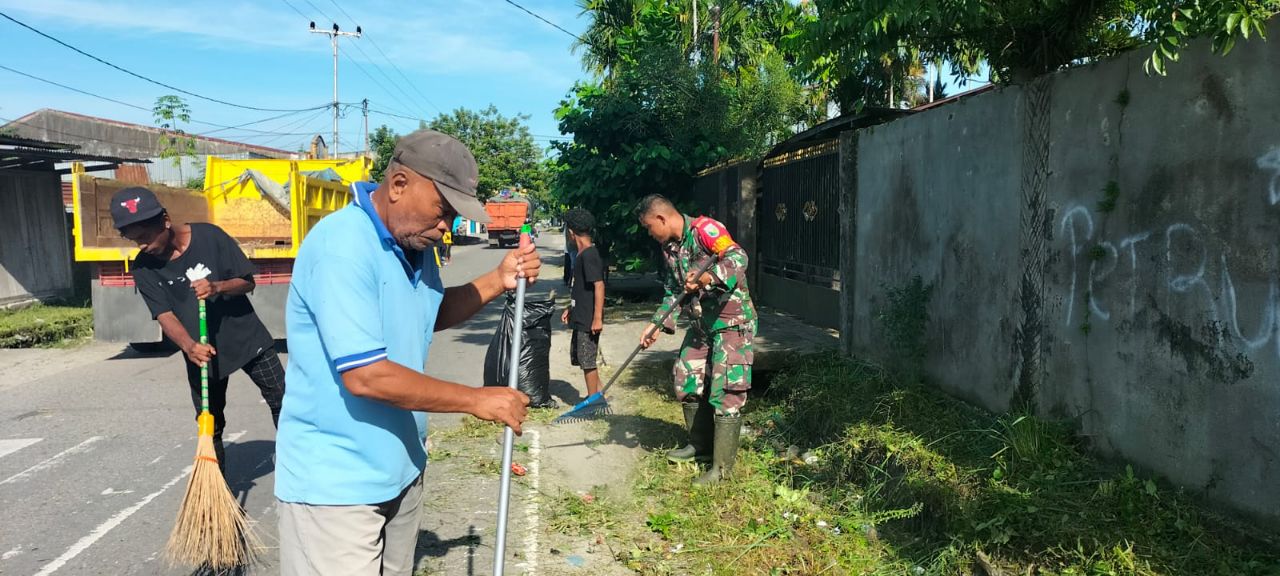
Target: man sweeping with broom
(365,299)
(713,373)
(194,278)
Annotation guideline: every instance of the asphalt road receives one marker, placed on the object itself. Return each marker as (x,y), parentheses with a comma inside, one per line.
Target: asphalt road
(96,444)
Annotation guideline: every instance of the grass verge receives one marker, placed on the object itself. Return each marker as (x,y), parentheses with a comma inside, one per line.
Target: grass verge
(43,326)
(845,472)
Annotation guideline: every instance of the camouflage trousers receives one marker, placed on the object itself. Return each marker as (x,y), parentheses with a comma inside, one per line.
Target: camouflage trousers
(716,366)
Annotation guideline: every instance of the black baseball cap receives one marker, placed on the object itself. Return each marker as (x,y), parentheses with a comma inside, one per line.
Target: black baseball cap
(449,164)
(134,205)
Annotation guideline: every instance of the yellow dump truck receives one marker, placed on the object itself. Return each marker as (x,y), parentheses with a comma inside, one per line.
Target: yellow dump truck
(268,206)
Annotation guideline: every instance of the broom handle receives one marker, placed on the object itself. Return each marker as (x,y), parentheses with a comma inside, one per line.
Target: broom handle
(699,272)
(204,369)
(508,435)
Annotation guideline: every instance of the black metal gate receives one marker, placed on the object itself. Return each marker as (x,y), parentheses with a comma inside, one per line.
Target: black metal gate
(798,216)
(715,193)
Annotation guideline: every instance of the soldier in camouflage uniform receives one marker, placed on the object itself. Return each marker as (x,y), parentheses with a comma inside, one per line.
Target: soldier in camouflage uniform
(722,325)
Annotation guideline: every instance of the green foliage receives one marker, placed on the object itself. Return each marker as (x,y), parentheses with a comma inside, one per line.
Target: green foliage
(382,143)
(658,116)
(508,157)
(904,322)
(907,480)
(43,326)
(862,50)
(506,154)
(170,112)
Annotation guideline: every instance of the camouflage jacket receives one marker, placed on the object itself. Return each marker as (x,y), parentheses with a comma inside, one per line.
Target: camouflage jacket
(726,302)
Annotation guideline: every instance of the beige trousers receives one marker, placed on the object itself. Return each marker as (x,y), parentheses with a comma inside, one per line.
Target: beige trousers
(364,540)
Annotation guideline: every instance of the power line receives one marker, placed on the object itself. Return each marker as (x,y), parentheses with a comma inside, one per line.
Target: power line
(374,80)
(389,79)
(295,9)
(394,115)
(377,47)
(405,76)
(550,23)
(220,127)
(77,90)
(297,126)
(370,59)
(153,81)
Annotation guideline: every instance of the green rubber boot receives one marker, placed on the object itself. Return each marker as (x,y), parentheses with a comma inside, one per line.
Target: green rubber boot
(727,433)
(697,420)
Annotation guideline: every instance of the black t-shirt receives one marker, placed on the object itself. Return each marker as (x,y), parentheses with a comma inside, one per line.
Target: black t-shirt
(234,328)
(588,269)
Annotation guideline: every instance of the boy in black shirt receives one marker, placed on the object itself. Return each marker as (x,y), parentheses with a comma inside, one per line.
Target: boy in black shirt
(586,315)
(171,254)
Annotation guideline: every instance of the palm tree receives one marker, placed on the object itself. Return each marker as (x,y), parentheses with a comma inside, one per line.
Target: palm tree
(609,19)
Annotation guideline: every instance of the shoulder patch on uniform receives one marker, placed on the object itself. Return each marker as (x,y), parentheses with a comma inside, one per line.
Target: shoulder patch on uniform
(712,234)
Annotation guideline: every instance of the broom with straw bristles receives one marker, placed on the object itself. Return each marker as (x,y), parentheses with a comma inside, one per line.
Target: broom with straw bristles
(212,529)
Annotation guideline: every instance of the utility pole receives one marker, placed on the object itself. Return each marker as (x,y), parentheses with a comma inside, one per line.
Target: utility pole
(333,38)
(364,104)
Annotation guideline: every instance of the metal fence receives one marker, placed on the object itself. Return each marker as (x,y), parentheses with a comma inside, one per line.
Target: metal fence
(716,195)
(798,222)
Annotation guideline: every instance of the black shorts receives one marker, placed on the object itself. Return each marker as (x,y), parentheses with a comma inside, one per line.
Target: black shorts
(583,349)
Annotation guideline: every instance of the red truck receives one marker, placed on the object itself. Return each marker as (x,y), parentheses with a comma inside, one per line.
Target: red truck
(506,215)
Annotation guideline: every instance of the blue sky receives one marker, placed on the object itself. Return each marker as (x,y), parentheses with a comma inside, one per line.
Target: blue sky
(457,53)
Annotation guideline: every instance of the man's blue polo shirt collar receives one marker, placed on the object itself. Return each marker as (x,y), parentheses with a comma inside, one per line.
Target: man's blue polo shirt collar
(360,194)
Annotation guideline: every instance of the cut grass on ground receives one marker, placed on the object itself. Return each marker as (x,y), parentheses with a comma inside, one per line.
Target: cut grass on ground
(42,326)
(902,479)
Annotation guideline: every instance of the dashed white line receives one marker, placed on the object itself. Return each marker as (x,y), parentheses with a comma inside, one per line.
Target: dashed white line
(11,553)
(8,447)
(102,529)
(52,461)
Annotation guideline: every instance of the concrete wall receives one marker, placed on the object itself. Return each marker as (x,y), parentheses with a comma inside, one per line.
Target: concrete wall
(1156,324)
(35,259)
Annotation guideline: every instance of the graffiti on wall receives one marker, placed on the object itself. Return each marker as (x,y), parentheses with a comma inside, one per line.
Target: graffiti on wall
(1099,266)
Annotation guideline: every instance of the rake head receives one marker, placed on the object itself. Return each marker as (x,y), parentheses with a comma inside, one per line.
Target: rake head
(595,406)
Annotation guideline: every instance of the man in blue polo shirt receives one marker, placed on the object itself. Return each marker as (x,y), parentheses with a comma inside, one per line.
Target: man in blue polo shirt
(365,299)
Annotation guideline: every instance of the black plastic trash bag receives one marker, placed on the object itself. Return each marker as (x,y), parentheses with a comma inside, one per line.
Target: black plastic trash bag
(535,351)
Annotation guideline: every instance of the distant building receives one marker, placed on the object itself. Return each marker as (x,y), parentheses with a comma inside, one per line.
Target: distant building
(35,246)
(105,137)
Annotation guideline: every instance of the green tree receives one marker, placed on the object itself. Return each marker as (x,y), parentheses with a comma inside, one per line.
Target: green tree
(170,112)
(504,149)
(863,51)
(608,21)
(382,143)
(662,116)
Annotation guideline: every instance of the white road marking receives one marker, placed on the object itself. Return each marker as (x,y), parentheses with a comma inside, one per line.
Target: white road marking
(102,529)
(8,447)
(531,508)
(53,461)
(11,553)
(110,491)
(234,436)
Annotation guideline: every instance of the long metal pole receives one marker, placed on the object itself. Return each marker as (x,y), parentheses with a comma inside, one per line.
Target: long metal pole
(508,436)
(334,154)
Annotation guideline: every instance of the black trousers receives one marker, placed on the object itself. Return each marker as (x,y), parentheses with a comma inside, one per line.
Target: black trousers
(267,374)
